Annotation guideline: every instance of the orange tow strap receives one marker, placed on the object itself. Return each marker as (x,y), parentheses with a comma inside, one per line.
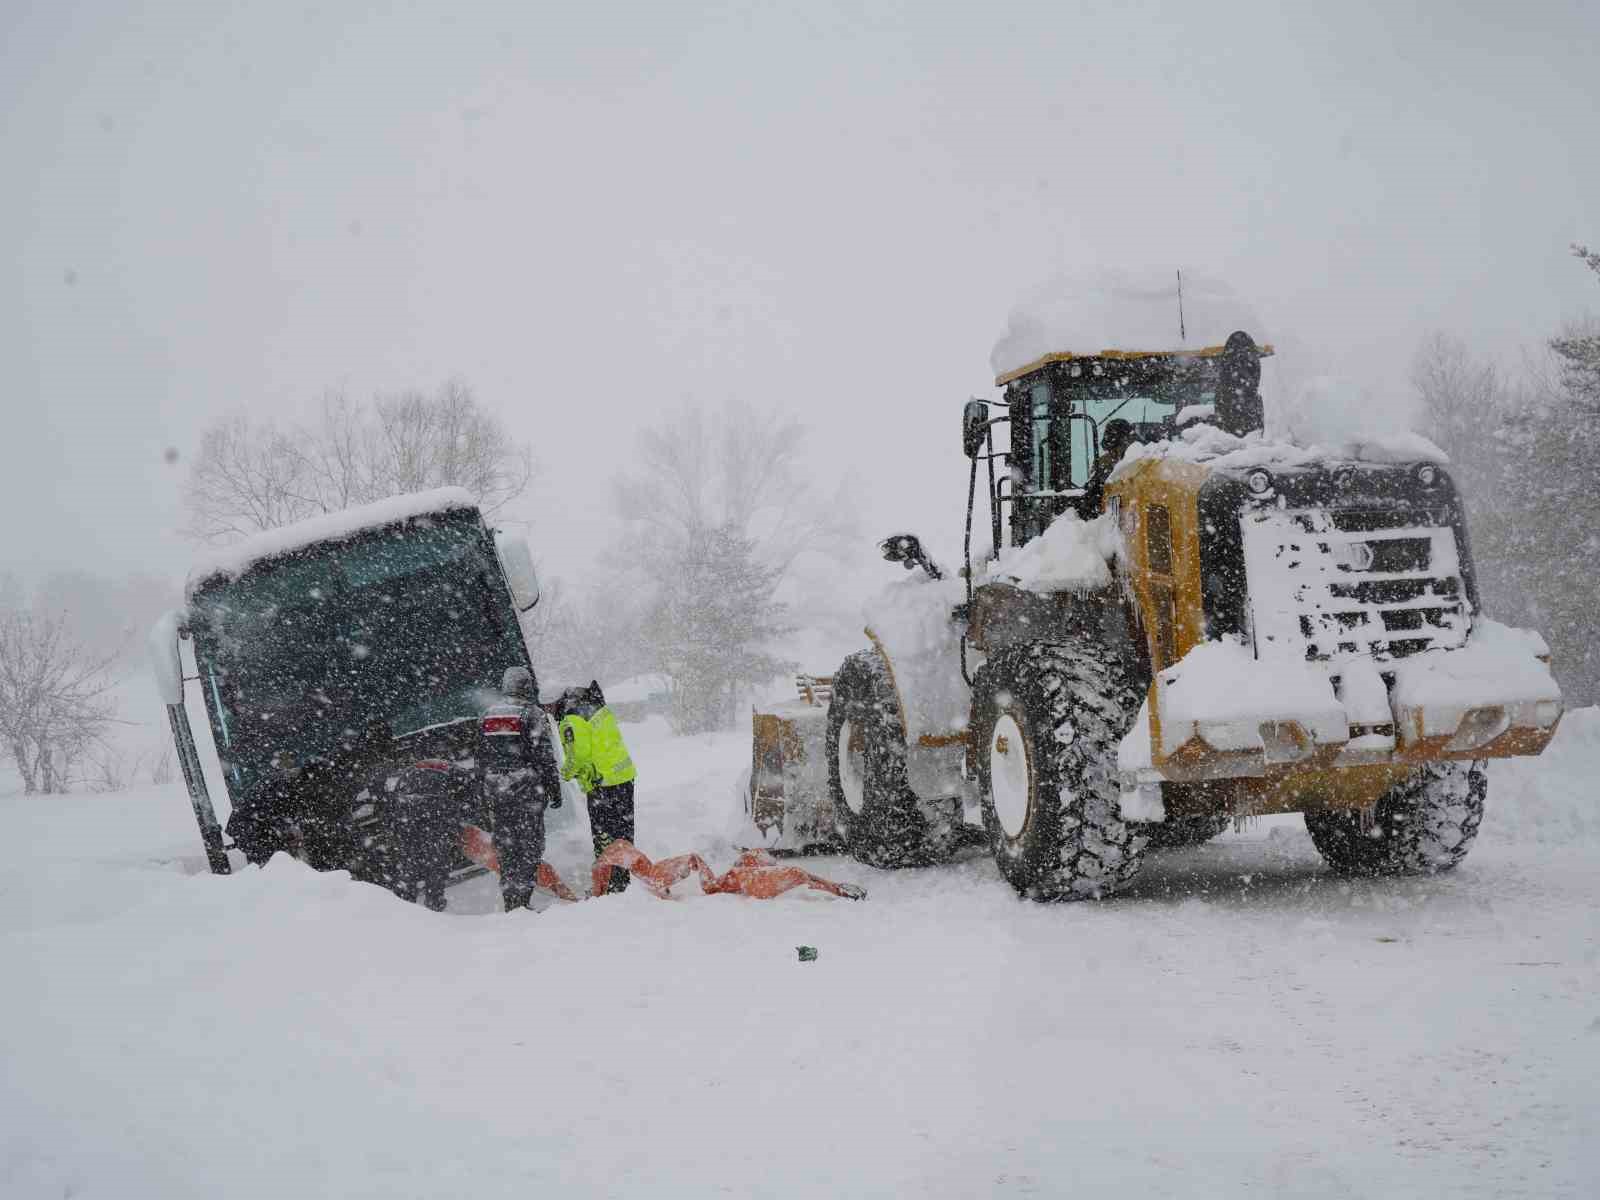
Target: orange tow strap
(756,873)
(479,847)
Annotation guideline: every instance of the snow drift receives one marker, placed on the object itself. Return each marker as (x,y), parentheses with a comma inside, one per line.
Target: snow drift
(168,1033)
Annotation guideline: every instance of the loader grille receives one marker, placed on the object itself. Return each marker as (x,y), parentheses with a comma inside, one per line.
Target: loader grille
(1327,585)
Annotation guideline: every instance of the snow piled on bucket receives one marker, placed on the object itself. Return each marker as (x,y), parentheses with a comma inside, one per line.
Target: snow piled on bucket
(1498,665)
(235,560)
(1115,310)
(1224,685)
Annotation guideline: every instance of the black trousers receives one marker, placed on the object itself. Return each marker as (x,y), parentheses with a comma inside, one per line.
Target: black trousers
(421,830)
(611,820)
(519,844)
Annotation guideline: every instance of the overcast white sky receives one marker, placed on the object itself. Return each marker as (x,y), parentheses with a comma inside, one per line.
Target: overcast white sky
(591,212)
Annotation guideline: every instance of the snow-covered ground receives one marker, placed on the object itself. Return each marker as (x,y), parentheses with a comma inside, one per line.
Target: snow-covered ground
(1241,1022)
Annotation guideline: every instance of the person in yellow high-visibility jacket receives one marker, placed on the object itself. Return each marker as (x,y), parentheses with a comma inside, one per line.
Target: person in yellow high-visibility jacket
(593,753)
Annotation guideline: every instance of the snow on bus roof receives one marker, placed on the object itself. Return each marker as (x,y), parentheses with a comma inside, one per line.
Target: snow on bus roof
(235,560)
(1118,313)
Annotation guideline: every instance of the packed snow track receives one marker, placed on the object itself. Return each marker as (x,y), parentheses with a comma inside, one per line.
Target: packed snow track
(1240,1022)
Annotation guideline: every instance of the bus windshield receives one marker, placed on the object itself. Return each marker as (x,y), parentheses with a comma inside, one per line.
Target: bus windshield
(410,625)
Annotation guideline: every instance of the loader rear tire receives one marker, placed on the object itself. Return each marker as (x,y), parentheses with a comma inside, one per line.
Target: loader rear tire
(876,814)
(1046,722)
(1423,825)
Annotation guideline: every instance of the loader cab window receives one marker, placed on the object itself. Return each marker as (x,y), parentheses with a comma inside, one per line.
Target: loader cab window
(1041,460)
(1043,451)
(1150,416)
(1067,405)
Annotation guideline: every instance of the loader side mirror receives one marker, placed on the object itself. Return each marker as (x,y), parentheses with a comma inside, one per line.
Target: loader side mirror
(974,425)
(906,549)
(516,560)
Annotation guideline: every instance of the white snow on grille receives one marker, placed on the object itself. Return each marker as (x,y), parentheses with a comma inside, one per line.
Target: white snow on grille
(1332,585)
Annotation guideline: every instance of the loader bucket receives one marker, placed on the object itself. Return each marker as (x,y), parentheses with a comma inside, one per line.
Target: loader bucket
(787,807)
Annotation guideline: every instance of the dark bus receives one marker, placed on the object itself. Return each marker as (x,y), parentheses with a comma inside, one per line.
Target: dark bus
(333,654)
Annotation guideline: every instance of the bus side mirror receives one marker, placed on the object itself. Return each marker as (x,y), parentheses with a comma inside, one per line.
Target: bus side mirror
(974,425)
(516,560)
(165,665)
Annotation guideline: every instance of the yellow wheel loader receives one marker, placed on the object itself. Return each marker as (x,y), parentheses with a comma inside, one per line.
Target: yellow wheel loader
(1179,623)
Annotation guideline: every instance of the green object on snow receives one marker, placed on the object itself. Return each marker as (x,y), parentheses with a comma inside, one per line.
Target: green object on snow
(807,953)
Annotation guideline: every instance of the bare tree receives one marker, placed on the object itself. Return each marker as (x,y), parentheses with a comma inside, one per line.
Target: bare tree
(446,438)
(708,630)
(740,470)
(575,636)
(1525,450)
(1460,392)
(247,476)
(718,505)
(55,698)
(255,475)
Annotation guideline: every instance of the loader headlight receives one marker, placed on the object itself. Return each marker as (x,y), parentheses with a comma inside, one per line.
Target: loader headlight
(1427,474)
(1479,727)
(1259,482)
(1354,556)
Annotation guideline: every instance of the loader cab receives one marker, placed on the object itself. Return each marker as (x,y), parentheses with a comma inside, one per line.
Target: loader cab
(1059,407)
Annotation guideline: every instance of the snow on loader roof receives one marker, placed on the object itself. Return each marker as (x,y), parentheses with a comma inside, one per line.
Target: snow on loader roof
(1217,448)
(1118,315)
(233,561)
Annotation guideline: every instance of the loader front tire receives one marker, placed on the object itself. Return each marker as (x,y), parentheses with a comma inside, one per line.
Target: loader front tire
(1425,824)
(876,814)
(1046,722)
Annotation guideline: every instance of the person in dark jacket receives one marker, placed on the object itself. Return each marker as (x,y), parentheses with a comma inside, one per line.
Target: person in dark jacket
(522,780)
(422,827)
(327,790)
(1114,442)
(595,756)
